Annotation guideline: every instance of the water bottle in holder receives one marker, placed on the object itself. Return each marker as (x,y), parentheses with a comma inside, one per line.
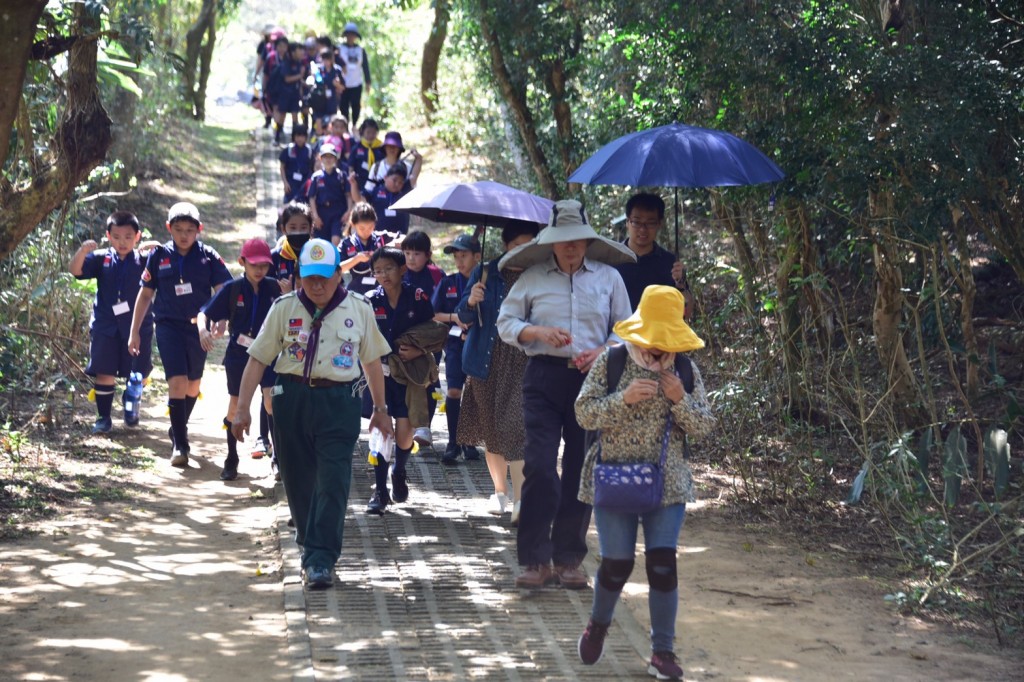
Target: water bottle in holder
(132,398)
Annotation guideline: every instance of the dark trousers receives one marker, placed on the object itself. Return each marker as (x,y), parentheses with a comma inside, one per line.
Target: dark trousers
(349,106)
(553,522)
(315,432)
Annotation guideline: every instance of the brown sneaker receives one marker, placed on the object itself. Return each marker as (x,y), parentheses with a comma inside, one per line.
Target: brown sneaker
(535,577)
(571,577)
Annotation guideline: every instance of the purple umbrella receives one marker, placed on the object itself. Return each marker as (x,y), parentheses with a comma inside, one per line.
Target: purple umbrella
(678,155)
(476,203)
(482,203)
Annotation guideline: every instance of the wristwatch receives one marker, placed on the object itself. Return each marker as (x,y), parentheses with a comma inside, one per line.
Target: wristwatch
(380,408)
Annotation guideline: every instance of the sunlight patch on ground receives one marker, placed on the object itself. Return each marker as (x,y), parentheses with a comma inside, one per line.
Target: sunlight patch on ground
(102,644)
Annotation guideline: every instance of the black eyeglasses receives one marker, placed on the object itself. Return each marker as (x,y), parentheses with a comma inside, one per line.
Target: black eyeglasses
(644,224)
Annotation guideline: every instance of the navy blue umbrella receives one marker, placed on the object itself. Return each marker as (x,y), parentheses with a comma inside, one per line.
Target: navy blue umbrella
(678,155)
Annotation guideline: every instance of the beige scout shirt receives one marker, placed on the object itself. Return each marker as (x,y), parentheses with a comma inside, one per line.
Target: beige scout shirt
(348,332)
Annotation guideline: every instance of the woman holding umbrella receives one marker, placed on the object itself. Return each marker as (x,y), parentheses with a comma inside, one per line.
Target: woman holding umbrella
(561,313)
(492,403)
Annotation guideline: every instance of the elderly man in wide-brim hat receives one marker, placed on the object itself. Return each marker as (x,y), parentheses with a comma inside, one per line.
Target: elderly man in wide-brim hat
(560,312)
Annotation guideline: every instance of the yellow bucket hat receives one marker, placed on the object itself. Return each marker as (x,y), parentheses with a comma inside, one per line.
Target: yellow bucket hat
(658,322)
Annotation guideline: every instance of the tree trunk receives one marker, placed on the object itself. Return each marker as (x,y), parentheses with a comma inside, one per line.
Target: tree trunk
(205,61)
(195,84)
(17,29)
(432,57)
(80,142)
(516,101)
(555,82)
(887,320)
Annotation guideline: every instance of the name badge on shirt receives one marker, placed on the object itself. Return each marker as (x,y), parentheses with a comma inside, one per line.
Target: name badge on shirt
(183,289)
(296,176)
(369,280)
(120,308)
(389,213)
(455,331)
(370,184)
(384,366)
(366,165)
(244,341)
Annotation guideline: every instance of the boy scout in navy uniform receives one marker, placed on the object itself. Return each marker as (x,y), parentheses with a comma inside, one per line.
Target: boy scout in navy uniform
(296,163)
(244,302)
(328,200)
(447,296)
(179,279)
(320,336)
(117,270)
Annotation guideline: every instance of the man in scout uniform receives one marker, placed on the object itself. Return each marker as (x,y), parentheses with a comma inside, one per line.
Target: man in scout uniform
(320,336)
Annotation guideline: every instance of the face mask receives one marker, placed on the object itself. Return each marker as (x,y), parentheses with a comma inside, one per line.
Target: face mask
(297,241)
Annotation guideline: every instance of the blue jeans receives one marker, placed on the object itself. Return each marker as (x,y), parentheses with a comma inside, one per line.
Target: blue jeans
(616,534)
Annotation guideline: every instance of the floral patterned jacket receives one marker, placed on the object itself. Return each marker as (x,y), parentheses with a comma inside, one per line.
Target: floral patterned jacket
(634,433)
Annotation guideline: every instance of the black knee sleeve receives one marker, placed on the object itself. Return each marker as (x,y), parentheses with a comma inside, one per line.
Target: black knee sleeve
(661,569)
(613,573)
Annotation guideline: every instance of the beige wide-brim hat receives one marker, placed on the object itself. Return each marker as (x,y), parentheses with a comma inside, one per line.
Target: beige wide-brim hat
(568,223)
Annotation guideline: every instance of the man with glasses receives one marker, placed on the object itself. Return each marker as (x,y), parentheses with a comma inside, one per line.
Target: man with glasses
(645,215)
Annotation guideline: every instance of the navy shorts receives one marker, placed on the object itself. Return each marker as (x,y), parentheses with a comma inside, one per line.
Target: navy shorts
(330,228)
(180,350)
(394,396)
(453,373)
(234,367)
(108,355)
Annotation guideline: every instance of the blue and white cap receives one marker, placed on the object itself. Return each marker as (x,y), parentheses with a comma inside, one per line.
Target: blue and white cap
(319,257)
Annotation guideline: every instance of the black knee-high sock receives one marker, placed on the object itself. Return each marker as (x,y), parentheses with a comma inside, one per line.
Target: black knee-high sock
(179,422)
(401,458)
(104,399)
(264,424)
(452,408)
(380,475)
(190,404)
(232,445)
(431,402)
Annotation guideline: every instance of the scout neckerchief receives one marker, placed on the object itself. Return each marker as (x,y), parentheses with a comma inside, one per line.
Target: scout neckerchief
(370,146)
(318,319)
(286,251)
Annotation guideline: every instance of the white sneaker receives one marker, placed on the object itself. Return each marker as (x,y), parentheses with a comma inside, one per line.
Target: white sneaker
(515,513)
(423,436)
(497,503)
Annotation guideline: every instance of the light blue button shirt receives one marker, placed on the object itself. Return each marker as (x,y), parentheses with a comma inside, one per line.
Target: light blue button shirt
(587,303)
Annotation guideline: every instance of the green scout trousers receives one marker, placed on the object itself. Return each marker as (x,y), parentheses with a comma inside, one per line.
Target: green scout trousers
(315,431)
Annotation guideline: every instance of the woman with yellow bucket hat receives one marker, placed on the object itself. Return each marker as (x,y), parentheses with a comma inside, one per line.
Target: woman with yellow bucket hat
(645,397)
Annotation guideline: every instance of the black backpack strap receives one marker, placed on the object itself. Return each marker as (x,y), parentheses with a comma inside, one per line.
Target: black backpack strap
(684,369)
(616,365)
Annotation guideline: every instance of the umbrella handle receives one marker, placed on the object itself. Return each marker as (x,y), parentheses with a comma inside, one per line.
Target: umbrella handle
(479,313)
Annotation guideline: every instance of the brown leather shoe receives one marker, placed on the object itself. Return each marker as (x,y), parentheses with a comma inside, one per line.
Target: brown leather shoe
(571,577)
(535,577)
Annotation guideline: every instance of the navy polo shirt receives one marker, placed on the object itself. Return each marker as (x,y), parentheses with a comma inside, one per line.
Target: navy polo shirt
(350,246)
(330,191)
(413,308)
(449,292)
(246,308)
(652,268)
(281,268)
(359,161)
(381,199)
(117,281)
(166,269)
(424,279)
(298,164)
